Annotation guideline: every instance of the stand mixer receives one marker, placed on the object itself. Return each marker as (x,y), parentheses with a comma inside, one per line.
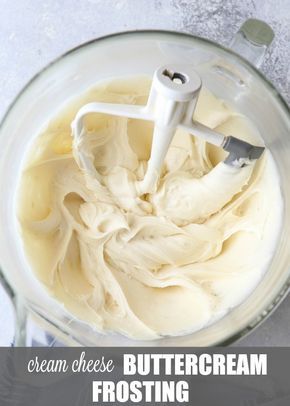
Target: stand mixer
(172,101)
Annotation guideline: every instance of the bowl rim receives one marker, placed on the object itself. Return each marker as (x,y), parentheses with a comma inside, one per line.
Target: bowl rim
(257,320)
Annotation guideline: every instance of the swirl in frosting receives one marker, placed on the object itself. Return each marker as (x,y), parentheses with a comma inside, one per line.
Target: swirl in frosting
(146,266)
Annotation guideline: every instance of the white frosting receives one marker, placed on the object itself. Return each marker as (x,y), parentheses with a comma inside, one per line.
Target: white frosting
(166,263)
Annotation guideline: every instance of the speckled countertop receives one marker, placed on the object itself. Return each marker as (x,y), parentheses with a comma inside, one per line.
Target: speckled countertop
(32,33)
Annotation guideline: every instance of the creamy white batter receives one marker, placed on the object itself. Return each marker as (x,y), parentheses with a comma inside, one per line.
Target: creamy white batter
(166,263)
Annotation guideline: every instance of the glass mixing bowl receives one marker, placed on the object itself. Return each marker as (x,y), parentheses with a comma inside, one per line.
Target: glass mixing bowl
(227,75)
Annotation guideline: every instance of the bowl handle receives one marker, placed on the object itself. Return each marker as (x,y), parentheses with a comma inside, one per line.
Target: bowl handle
(252,41)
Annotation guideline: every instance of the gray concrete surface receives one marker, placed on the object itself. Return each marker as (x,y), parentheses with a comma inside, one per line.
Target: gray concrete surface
(33,32)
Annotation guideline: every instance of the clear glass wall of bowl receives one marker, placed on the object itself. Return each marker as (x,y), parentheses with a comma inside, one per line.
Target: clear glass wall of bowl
(225,74)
